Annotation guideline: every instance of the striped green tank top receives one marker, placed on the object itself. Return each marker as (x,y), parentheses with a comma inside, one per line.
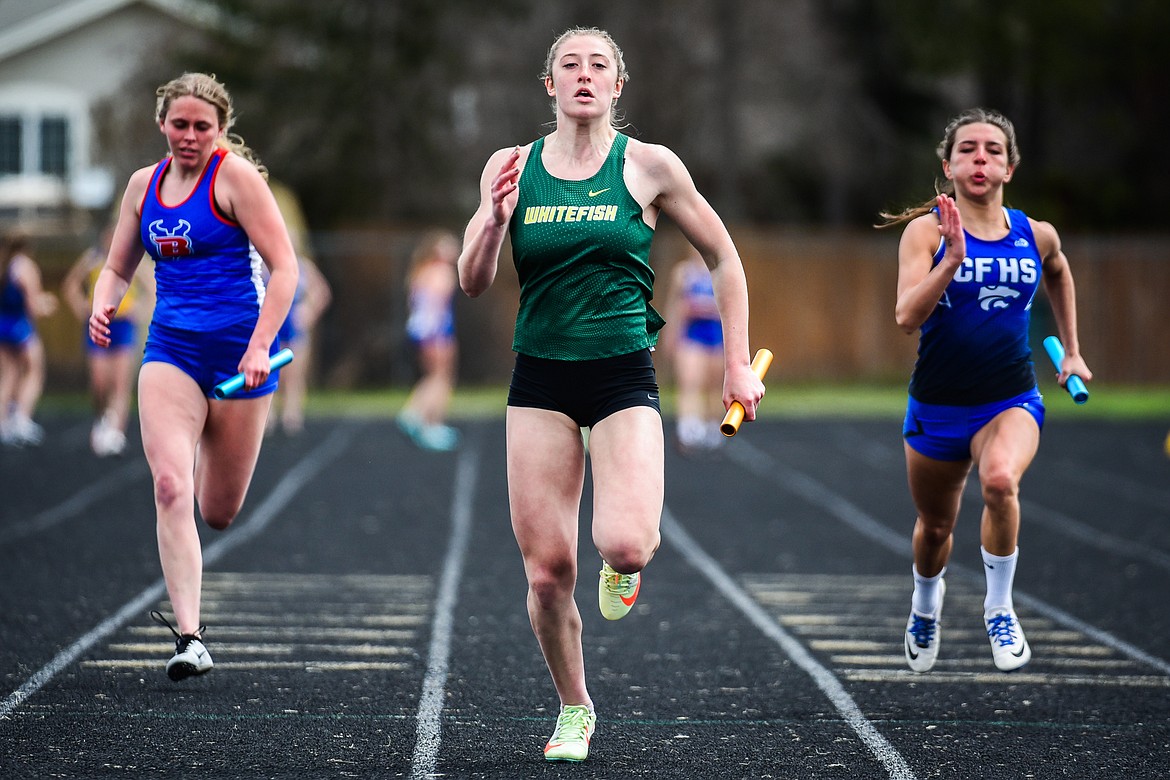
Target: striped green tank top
(582,252)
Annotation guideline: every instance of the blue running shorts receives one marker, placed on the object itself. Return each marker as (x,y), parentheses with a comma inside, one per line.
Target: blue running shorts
(207,357)
(123,335)
(944,432)
(290,330)
(705,333)
(16,330)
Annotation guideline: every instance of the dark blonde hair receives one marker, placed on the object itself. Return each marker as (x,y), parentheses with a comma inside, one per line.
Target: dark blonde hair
(211,91)
(430,246)
(972,116)
(623,75)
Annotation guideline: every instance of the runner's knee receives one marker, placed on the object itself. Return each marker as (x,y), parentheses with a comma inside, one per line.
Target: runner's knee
(553,582)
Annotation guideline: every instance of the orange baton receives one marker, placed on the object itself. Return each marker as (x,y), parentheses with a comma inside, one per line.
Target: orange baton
(731,421)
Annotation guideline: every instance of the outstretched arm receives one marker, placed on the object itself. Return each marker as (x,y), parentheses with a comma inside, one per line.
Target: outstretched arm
(489,225)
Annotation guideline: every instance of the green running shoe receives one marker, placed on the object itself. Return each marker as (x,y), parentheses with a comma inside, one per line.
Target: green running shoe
(570,741)
(616,593)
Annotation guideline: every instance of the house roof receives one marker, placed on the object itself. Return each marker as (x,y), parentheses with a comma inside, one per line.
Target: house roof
(27,25)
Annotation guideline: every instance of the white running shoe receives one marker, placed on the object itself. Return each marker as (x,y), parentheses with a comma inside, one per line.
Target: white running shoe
(20,431)
(924,635)
(1009,648)
(106,440)
(97,434)
(191,656)
(115,442)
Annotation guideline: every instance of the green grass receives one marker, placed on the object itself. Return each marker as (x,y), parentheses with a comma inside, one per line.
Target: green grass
(814,400)
(1105,402)
(782,401)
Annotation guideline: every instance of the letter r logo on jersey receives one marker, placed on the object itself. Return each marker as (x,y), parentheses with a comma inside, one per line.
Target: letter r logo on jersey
(173,242)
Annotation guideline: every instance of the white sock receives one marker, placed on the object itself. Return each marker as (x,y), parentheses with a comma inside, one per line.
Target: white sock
(925,599)
(1000,571)
(690,431)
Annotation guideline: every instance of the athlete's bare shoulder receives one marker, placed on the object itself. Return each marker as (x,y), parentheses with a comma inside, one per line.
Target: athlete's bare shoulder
(137,184)
(651,158)
(1047,239)
(923,232)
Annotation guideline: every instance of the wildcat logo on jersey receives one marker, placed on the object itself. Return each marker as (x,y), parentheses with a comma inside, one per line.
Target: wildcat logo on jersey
(996,297)
(173,242)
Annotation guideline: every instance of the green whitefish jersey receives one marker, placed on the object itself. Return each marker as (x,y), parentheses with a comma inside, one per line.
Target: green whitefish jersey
(582,252)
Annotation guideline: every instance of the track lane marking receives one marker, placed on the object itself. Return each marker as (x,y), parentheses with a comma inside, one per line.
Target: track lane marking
(75,504)
(288,487)
(139,664)
(830,686)
(760,463)
(872,641)
(428,735)
(307,640)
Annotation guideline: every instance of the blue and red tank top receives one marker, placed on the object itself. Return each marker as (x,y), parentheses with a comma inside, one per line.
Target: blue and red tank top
(206,276)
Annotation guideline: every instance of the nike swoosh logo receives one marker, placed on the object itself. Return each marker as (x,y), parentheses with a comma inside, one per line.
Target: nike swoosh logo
(910,649)
(629,602)
(1019,654)
(595,193)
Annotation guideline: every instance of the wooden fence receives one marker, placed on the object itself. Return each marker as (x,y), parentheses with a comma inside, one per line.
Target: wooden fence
(823,302)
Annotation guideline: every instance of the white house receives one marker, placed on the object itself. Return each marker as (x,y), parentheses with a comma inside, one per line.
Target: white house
(58,58)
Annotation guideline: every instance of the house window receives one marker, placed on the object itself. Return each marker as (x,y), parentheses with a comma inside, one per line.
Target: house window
(10,145)
(54,145)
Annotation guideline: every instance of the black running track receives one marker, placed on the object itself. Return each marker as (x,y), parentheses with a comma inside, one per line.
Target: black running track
(366,615)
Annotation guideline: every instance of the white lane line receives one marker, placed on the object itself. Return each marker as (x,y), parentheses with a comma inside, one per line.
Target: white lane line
(1068,654)
(285,490)
(230,633)
(270,648)
(356,607)
(1083,532)
(305,666)
(1081,665)
(764,465)
(308,619)
(77,503)
(313,640)
(430,708)
(1125,488)
(886,753)
(984,679)
(858,446)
